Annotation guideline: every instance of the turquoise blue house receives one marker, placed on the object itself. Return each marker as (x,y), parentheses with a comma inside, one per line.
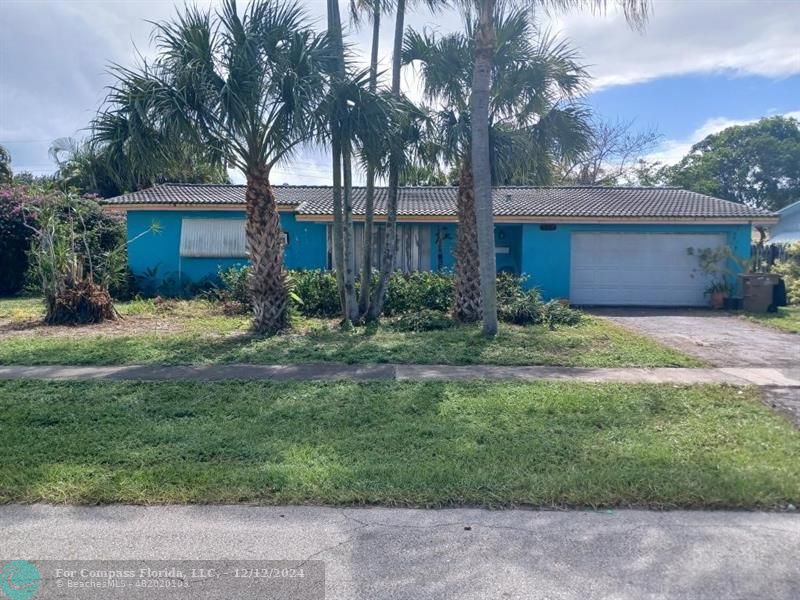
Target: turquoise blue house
(590,245)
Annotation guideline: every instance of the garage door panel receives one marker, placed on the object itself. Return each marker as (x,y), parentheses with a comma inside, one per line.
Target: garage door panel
(638,269)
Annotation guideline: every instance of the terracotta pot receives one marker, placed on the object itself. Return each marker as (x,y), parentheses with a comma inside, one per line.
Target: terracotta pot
(718,300)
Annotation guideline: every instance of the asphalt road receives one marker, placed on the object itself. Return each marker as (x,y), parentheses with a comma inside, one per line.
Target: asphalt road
(380,553)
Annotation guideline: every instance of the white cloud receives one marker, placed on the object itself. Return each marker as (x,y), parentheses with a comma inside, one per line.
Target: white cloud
(671,151)
(689,36)
(53,55)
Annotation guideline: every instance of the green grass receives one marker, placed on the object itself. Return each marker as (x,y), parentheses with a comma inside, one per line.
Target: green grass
(406,444)
(786,319)
(17,309)
(194,333)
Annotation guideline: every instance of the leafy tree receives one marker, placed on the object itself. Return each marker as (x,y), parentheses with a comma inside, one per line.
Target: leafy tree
(756,164)
(5,166)
(484,43)
(533,119)
(249,88)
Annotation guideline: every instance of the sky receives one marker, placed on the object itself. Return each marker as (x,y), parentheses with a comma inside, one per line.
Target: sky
(698,67)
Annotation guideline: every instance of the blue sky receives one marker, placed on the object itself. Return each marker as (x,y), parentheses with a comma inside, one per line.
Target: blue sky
(700,66)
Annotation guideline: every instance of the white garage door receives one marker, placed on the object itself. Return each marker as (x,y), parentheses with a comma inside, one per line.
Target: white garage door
(639,269)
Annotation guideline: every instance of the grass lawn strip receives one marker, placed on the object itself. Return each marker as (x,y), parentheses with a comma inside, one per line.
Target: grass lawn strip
(396,444)
(193,333)
(786,319)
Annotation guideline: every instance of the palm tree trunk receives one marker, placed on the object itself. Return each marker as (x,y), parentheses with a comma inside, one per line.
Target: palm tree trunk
(350,301)
(467,288)
(342,208)
(265,242)
(369,217)
(390,246)
(338,226)
(481,81)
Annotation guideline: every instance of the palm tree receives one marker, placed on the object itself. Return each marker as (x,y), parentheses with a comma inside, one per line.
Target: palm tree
(533,120)
(372,10)
(396,160)
(248,87)
(484,40)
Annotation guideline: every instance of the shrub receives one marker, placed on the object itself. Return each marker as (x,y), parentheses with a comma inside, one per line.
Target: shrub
(235,284)
(789,269)
(102,237)
(73,278)
(554,313)
(422,320)
(15,235)
(422,299)
(318,293)
(420,289)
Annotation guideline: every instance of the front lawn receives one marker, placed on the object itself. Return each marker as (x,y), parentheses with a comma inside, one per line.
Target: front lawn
(786,319)
(193,332)
(396,444)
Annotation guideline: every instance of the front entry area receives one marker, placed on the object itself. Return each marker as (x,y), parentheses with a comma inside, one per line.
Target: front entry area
(638,269)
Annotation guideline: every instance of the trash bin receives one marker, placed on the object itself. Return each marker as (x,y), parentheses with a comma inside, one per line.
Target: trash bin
(757,289)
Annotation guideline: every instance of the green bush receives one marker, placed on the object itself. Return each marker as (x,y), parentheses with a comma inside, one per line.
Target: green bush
(422,320)
(422,299)
(235,285)
(421,289)
(554,313)
(318,292)
(789,269)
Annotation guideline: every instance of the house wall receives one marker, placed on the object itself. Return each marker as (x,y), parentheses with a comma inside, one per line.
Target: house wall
(543,255)
(161,249)
(546,255)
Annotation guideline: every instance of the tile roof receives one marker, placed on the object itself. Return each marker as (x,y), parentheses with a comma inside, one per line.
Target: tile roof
(550,202)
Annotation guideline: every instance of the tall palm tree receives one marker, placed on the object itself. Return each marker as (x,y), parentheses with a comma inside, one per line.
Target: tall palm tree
(396,159)
(358,119)
(484,38)
(372,10)
(344,250)
(248,86)
(533,119)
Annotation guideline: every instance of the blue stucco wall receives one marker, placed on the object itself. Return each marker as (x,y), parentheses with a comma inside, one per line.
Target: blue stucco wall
(161,249)
(546,255)
(543,255)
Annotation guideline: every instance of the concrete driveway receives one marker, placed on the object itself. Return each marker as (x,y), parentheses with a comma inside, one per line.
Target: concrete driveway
(383,553)
(722,339)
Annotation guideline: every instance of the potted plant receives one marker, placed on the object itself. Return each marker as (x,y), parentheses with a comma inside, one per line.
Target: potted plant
(718,292)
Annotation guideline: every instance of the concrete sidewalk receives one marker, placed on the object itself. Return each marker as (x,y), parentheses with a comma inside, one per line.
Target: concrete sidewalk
(382,553)
(766,377)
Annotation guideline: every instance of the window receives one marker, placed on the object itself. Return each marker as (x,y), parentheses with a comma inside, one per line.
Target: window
(213,238)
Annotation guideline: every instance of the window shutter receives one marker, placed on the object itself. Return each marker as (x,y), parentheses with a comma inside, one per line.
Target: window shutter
(220,238)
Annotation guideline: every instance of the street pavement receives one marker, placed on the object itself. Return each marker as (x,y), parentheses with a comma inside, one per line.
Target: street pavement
(384,553)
